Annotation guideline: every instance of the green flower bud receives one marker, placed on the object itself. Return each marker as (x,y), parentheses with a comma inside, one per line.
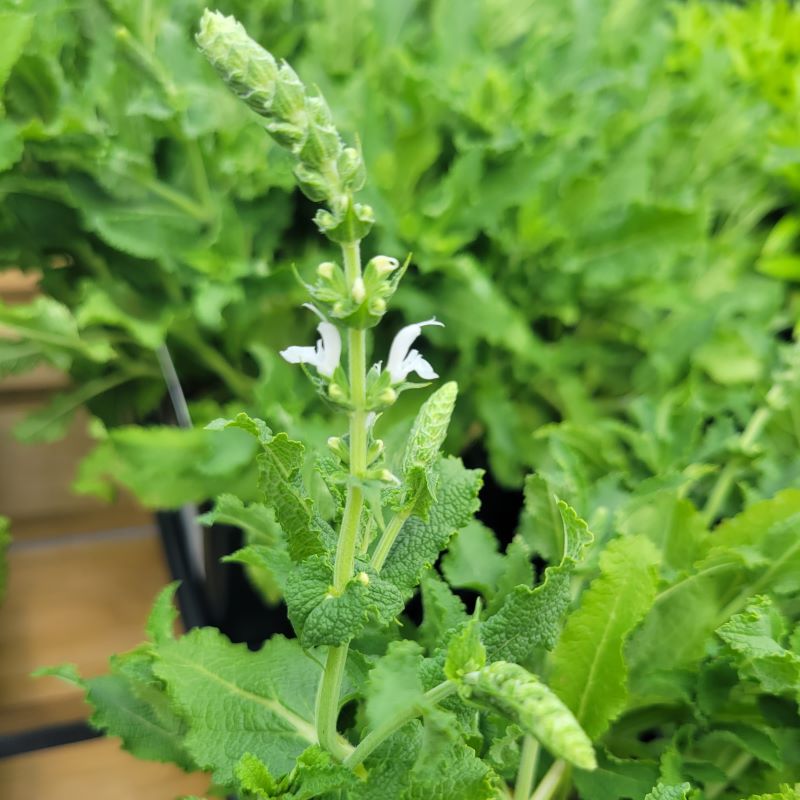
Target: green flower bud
(312,184)
(326,269)
(387,397)
(248,69)
(358,292)
(351,167)
(322,145)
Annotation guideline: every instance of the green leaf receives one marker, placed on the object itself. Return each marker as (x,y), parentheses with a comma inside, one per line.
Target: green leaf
(280,463)
(321,616)
(236,701)
(266,555)
(754,639)
(465,652)
(616,777)
(420,542)
(166,467)
(588,666)
(422,449)
(129,703)
(517,694)
(394,682)
(163,616)
(472,560)
(441,610)
(16,28)
(531,618)
(669,792)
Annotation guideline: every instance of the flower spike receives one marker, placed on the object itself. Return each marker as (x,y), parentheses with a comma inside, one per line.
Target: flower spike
(403,360)
(324,356)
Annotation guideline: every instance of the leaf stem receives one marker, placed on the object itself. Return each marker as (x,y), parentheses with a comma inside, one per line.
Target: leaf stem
(330,687)
(388,537)
(549,784)
(386,728)
(527,768)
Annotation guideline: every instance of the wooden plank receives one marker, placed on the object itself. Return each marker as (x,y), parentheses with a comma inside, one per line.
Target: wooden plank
(94,770)
(35,479)
(73,602)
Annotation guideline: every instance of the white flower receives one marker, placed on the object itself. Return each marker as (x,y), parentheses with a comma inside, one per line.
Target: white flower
(402,360)
(324,356)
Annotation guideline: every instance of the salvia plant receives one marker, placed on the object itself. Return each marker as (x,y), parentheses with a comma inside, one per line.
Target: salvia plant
(654,663)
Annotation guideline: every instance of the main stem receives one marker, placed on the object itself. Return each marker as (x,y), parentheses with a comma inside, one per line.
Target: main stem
(330,687)
(527,768)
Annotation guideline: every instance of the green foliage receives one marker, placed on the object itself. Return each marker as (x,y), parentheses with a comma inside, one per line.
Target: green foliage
(628,159)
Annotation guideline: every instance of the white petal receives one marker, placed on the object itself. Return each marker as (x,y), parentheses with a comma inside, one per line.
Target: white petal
(301,355)
(416,363)
(330,348)
(399,350)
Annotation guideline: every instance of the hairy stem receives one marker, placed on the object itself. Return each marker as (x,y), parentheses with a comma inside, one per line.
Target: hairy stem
(549,784)
(527,768)
(388,726)
(330,687)
(389,535)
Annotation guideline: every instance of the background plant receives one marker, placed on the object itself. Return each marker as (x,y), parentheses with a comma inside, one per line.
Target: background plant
(672,646)
(631,163)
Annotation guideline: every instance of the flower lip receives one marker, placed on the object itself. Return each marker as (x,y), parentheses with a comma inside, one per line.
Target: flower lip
(402,360)
(324,355)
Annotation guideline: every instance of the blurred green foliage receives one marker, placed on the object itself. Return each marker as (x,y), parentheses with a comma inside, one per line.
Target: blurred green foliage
(598,198)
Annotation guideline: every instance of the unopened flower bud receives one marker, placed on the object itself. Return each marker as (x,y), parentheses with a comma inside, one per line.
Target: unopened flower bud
(377,306)
(388,477)
(363,578)
(326,269)
(336,393)
(359,291)
(384,264)
(387,396)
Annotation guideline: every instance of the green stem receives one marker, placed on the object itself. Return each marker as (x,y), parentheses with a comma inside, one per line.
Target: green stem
(388,537)
(330,687)
(732,773)
(527,768)
(724,481)
(550,782)
(388,726)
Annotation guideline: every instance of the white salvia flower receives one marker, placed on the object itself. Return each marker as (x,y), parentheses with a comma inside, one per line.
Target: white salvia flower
(324,356)
(402,360)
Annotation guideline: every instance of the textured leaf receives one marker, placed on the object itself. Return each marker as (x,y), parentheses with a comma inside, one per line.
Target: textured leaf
(754,637)
(668,792)
(420,542)
(394,683)
(525,700)
(16,28)
(531,618)
(236,701)
(441,610)
(472,560)
(465,652)
(130,704)
(163,616)
(321,616)
(588,667)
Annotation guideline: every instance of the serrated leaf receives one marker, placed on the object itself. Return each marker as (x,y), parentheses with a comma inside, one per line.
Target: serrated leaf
(422,449)
(588,666)
(473,560)
(127,705)
(322,616)
(465,652)
(668,792)
(394,682)
(266,556)
(616,777)
(441,610)
(517,694)
(419,543)
(163,616)
(754,639)
(236,701)
(530,618)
